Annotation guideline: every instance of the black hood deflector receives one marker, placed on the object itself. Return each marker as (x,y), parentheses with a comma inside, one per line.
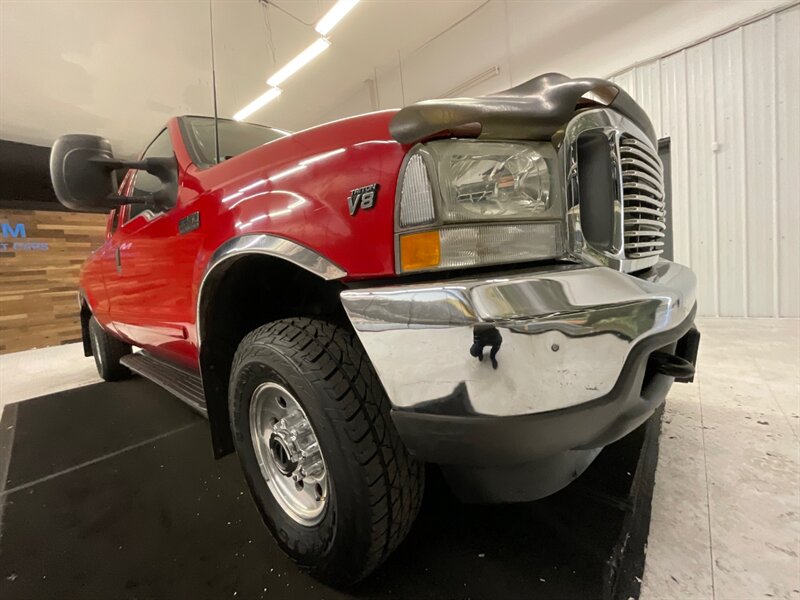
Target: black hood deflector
(534,110)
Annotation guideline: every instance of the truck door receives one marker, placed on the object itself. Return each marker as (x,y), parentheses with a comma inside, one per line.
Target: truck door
(151,302)
(97,269)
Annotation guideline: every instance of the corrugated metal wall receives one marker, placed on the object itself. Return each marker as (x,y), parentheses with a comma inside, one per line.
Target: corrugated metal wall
(731,108)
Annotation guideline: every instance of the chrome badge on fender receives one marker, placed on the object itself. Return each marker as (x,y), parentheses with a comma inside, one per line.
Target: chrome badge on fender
(363,197)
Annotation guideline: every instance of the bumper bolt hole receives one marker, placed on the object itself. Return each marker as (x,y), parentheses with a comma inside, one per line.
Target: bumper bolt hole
(554,348)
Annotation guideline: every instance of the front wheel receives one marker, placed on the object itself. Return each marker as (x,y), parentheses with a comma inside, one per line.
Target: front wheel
(325,465)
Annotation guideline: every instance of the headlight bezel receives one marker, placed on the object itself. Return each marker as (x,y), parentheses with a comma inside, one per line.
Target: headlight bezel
(553,214)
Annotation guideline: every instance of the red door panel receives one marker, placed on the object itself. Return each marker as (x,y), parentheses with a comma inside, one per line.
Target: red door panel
(151,287)
(152,302)
(95,272)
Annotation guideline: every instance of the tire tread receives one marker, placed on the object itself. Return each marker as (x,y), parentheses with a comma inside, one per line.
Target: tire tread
(338,363)
(112,349)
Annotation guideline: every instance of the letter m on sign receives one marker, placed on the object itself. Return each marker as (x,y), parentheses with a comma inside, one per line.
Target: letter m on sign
(17,230)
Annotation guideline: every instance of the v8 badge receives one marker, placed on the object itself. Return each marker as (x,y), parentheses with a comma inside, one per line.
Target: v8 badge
(363,197)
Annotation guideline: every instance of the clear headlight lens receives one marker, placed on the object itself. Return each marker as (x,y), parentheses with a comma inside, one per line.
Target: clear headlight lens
(491,181)
(472,203)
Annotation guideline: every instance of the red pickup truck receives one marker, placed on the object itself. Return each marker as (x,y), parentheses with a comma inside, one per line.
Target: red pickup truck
(475,283)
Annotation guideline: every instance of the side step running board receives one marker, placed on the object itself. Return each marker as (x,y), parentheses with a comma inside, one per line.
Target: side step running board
(187,386)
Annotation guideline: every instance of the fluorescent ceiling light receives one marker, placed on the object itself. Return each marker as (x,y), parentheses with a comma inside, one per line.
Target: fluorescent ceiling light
(322,156)
(258,103)
(253,185)
(298,61)
(287,172)
(334,15)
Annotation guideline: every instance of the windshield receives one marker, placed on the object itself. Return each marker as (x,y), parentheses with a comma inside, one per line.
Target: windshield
(234,138)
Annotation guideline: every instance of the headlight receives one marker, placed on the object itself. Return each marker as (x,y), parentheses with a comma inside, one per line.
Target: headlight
(467,202)
(491,180)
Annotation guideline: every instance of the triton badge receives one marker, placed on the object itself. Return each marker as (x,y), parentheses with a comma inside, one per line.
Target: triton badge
(363,197)
(189,223)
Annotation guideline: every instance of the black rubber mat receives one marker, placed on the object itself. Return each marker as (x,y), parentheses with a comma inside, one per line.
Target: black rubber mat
(62,430)
(112,493)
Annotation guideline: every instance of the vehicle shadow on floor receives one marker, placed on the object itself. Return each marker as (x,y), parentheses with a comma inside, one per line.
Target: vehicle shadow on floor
(112,492)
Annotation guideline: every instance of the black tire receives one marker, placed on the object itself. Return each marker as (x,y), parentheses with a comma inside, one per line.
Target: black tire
(375,486)
(107,350)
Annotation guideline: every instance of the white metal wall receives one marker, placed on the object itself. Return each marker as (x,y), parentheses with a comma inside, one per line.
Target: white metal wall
(731,108)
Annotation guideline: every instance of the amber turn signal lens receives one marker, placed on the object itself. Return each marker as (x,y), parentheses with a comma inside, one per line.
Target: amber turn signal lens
(419,250)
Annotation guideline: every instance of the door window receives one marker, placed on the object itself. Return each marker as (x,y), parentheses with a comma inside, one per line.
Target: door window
(115,219)
(144,182)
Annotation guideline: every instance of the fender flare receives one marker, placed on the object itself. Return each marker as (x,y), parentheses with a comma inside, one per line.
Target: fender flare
(221,260)
(258,243)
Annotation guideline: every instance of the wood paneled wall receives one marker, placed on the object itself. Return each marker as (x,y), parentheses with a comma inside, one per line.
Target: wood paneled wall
(39,275)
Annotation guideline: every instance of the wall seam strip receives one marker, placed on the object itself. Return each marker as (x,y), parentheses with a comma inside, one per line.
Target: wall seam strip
(743,170)
(687,156)
(776,256)
(508,44)
(715,184)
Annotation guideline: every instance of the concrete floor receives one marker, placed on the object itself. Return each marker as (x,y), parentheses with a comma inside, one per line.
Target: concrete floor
(33,373)
(726,506)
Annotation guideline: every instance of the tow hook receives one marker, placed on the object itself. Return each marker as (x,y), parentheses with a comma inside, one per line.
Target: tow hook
(673,366)
(482,336)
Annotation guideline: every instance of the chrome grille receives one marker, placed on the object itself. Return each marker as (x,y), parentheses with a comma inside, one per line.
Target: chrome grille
(644,211)
(614,184)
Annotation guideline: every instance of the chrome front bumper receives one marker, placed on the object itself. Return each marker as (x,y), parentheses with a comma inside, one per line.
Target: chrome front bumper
(565,334)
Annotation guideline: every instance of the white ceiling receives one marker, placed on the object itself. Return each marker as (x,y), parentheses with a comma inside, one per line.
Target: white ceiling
(122,68)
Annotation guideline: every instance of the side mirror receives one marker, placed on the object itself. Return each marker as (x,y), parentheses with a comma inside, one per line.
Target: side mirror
(80,182)
(82,168)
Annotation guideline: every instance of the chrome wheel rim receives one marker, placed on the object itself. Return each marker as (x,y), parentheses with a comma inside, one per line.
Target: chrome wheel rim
(288,453)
